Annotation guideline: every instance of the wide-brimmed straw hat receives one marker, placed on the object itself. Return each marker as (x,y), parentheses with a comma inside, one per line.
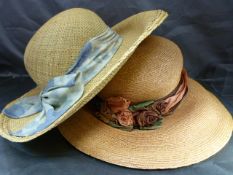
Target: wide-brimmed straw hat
(151,115)
(71,58)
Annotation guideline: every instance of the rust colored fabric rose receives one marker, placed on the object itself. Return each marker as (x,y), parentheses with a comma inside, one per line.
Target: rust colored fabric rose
(105,109)
(125,118)
(147,118)
(109,115)
(118,104)
(160,107)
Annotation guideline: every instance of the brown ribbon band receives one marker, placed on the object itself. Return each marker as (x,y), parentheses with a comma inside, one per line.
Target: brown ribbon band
(120,113)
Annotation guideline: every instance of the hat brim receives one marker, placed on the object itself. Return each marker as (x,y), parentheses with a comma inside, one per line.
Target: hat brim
(133,30)
(198,129)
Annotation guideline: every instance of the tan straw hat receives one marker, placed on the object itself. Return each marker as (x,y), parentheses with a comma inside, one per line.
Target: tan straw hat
(71,58)
(196,126)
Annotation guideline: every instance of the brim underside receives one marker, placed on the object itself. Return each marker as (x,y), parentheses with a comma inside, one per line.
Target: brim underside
(133,30)
(198,129)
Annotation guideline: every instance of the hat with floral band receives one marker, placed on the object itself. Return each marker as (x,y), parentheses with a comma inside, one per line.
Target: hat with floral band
(71,58)
(151,115)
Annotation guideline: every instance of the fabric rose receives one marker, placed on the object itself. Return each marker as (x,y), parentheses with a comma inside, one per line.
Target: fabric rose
(161,107)
(125,118)
(147,118)
(108,114)
(104,109)
(118,104)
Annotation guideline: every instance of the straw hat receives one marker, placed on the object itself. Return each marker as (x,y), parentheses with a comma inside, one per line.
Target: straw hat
(54,49)
(197,129)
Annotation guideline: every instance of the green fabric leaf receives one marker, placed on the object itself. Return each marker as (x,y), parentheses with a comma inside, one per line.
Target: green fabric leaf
(139,106)
(126,128)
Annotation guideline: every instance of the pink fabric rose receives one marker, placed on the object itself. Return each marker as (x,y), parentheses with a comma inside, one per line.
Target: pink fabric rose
(118,104)
(160,106)
(125,118)
(108,114)
(147,118)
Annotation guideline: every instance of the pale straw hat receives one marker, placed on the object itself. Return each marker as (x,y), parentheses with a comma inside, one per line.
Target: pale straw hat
(54,49)
(198,128)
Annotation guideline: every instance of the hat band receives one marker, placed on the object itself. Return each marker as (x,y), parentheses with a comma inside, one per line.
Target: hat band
(118,112)
(62,92)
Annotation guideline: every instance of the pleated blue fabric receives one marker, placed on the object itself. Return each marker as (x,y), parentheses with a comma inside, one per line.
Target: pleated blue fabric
(62,92)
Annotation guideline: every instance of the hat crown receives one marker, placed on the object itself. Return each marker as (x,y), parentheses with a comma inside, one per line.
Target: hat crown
(55,46)
(152,72)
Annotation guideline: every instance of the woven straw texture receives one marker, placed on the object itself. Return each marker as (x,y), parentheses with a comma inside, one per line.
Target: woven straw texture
(131,81)
(198,128)
(53,49)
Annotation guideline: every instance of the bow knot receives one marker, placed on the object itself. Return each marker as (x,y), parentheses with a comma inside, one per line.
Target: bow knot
(64,91)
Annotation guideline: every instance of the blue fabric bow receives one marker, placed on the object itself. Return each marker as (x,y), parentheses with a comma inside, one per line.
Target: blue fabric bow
(63,91)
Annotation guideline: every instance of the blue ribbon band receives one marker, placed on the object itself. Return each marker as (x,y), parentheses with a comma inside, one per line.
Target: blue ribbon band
(64,91)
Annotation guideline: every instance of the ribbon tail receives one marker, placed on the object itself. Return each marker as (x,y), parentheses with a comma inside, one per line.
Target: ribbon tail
(178,96)
(50,114)
(30,128)
(23,107)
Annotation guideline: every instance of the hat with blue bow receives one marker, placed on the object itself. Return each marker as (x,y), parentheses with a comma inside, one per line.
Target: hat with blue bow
(71,58)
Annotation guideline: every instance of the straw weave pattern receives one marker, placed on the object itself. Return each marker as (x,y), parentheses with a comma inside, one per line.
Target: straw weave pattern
(197,129)
(133,30)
